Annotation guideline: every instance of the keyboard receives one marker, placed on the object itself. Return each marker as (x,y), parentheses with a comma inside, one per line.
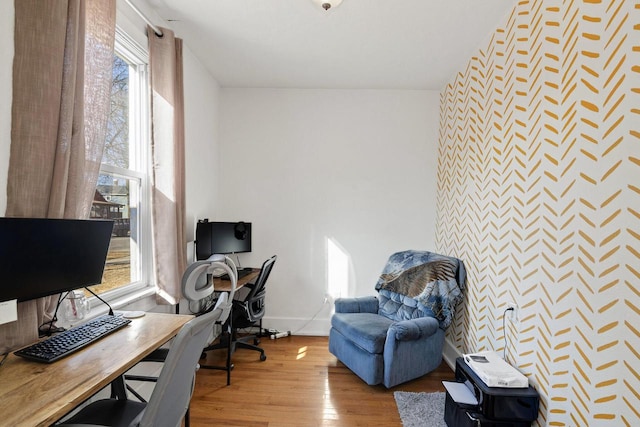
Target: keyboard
(73,339)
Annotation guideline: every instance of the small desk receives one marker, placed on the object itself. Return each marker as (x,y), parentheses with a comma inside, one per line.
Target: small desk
(38,394)
(220,285)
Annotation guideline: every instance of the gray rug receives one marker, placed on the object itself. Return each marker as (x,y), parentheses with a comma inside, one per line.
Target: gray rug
(420,409)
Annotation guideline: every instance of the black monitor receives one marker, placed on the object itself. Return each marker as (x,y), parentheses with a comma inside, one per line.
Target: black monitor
(40,257)
(222,238)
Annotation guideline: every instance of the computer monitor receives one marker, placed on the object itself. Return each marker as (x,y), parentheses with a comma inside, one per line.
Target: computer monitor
(40,257)
(222,238)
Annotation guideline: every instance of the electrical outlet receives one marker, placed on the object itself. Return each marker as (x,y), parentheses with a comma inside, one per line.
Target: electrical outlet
(514,313)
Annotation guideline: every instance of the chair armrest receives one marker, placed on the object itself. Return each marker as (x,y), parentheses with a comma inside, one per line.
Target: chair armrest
(410,330)
(368,304)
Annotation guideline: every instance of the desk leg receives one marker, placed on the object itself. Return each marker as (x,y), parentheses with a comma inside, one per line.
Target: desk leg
(229,349)
(118,390)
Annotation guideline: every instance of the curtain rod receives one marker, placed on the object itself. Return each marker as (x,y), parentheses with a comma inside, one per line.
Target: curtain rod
(156,29)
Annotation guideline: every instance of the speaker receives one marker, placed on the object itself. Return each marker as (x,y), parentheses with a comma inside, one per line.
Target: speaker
(240,230)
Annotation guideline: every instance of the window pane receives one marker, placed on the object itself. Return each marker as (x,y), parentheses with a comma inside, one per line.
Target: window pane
(116,149)
(117,198)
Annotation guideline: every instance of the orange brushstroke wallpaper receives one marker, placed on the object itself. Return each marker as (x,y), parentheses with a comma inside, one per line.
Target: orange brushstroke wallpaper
(539,194)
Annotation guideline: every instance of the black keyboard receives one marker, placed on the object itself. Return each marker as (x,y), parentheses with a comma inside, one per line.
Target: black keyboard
(65,343)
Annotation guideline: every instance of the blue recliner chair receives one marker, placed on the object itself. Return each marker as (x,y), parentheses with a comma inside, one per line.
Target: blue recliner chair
(398,335)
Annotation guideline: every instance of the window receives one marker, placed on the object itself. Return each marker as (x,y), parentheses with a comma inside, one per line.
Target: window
(122,190)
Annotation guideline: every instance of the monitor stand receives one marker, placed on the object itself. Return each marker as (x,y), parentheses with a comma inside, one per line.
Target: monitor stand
(238,266)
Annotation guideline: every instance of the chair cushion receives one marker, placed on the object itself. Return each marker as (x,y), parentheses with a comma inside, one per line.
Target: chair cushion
(367,330)
(399,307)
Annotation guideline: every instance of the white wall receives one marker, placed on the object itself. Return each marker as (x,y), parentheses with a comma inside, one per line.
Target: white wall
(201,142)
(310,167)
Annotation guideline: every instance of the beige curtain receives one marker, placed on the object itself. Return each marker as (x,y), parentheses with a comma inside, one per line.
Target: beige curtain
(61,86)
(167,153)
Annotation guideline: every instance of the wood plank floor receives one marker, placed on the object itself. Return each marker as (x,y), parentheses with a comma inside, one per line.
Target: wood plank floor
(300,384)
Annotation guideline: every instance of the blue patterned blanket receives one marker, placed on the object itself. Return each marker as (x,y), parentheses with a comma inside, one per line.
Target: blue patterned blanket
(434,281)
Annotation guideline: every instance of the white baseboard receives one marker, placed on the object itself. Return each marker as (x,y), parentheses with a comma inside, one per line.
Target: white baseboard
(450,353)
(297,326)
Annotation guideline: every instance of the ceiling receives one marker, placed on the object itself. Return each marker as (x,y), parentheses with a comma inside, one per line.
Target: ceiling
(361,44)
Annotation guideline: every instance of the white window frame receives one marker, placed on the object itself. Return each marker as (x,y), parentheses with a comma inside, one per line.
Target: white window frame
(139,132)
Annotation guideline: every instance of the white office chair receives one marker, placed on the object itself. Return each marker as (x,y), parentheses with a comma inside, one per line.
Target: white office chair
(171,395)
(169,401)
(197,281)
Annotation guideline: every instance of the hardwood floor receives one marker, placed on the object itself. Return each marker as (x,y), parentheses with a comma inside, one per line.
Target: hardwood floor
(300,384)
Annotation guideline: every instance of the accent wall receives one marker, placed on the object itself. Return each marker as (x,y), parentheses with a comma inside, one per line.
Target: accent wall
(539,194)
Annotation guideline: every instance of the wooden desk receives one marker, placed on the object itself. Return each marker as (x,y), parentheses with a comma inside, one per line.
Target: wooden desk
(220,285)
(38,394)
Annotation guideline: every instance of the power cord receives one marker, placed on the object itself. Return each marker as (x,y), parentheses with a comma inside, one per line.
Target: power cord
(504,329)
(312,318)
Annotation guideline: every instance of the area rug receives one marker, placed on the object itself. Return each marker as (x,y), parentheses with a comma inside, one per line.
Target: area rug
(420,409)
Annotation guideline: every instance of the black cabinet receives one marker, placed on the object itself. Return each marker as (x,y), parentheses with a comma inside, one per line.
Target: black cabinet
(497,406)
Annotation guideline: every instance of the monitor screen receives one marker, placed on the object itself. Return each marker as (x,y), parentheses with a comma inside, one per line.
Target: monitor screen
(40,257)
(222,238)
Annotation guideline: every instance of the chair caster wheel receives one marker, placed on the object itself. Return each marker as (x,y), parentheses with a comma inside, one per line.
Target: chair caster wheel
(256,341)
(263,357)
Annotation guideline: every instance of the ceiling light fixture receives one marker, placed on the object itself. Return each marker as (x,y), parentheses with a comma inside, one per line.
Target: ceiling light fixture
(327,4)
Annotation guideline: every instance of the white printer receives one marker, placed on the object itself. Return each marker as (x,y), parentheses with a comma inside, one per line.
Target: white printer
(494,371)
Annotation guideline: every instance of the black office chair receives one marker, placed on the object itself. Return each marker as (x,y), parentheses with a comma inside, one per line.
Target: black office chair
(246,311)
(249,311)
